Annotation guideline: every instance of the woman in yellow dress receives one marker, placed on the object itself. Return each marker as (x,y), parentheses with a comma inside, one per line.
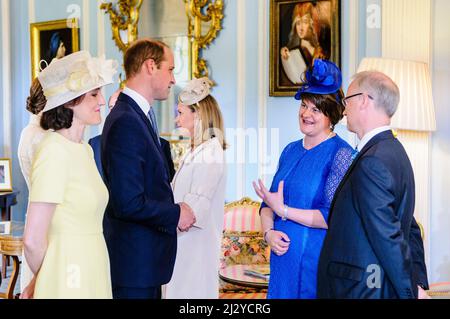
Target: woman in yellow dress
(63,240)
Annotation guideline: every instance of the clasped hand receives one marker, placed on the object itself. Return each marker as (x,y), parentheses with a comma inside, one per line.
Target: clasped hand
(278,242)
(187,217)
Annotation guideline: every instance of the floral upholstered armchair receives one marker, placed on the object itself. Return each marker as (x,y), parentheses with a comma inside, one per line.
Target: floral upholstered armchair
(242,242)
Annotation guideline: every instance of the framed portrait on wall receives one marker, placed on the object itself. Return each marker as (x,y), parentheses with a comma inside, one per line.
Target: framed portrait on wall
(5,175)
(301,31)
(50,40)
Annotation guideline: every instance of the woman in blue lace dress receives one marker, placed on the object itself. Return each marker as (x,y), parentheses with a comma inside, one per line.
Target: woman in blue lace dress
(294,212)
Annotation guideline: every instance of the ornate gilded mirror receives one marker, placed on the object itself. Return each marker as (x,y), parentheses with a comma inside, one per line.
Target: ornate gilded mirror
(187,26)
(200,23)
(167,21)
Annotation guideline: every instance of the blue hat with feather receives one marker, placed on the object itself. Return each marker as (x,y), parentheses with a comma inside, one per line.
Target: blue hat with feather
(323,78)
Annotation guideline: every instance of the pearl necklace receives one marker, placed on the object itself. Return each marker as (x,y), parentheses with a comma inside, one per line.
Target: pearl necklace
(328,137)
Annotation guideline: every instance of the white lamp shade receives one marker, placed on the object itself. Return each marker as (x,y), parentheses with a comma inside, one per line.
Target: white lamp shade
(416,109)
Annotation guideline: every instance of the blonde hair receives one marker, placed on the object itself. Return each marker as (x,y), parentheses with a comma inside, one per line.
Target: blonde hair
(211,121)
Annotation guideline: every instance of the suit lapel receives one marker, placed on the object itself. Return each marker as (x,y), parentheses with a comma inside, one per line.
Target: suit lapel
(135,107)
(373,141)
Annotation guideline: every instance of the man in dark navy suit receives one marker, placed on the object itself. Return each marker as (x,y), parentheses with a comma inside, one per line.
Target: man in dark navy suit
(141,218)
(95,143)
(373,247)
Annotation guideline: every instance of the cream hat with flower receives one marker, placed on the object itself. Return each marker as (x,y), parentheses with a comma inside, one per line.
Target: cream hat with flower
(195,91)
(74,75)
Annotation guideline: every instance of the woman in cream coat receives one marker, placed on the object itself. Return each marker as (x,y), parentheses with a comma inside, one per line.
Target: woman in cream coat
(30,138)
(200,182)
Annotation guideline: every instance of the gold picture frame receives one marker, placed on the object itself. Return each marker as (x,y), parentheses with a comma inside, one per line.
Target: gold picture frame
(5,175)
(47,40)
(305,29)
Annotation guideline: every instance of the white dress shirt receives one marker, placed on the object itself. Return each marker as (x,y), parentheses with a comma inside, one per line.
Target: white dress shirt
(139,99)
(369,135)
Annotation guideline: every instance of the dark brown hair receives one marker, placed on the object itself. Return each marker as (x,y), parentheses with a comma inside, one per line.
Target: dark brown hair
(140,51)
(36,101)
(329,104)
(60,117)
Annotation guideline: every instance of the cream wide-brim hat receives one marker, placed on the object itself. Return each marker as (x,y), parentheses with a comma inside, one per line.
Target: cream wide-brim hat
(74,75)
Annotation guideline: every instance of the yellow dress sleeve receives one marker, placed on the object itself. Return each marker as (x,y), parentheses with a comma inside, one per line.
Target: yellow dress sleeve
(49,173)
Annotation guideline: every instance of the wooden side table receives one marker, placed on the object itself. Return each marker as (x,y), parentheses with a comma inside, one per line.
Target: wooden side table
(11,245)
(7,200)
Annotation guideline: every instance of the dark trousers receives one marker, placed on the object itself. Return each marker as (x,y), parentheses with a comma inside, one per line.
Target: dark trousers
(137,293)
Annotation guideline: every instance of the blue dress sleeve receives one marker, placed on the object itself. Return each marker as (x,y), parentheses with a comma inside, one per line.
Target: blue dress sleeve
(341,163)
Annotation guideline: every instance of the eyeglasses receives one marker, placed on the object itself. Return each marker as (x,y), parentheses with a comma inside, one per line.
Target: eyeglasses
(344,100)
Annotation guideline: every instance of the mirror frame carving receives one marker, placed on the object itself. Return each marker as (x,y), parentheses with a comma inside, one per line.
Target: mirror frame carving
(197,11)
(126,18)
(200,40)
